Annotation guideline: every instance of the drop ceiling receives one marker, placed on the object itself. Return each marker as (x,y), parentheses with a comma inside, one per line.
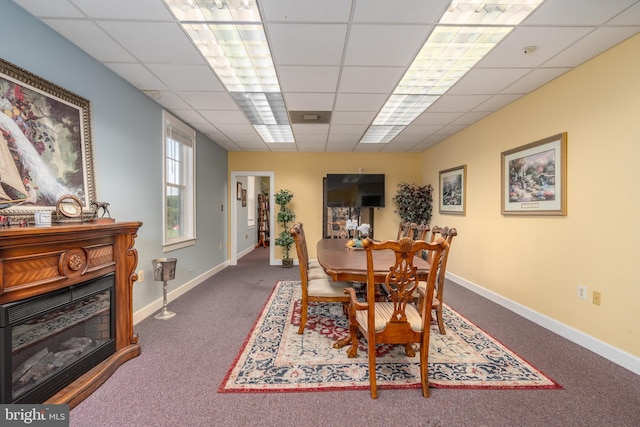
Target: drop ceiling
(338,58)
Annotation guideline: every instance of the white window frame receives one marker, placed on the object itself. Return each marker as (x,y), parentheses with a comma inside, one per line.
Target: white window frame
(173,128)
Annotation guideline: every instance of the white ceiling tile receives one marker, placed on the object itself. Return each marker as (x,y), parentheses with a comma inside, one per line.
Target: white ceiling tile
(415,129)
(137,75)
(384,45)
(50,8)
(154,41)
(308,79)
(429,118)
(202,100)
(592,44)
(487,80)
(90,38)
(306,10)
(343,139)
(496,102)
(348,129)
(352,117)
(311,139)
(124,9)
(281,147)
(317,147)
(458,103)
(410,11)
(360,101)
(549,42)
(577,12)
(232,129)
(310,129)
(534,80)
(167,99)
(187,77)
(224,117)
(307,44)
(471,117)
(192,117)
(370,79)
(305,101)
(631,16)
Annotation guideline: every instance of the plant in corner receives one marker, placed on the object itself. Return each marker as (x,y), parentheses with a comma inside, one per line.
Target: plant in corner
(413,203)
(284,217)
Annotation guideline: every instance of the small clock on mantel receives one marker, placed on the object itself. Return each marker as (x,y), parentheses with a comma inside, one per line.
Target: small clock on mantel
(69,209)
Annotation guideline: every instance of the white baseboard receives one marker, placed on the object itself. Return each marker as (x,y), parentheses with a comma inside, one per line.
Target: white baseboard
(156,305)
(620,357)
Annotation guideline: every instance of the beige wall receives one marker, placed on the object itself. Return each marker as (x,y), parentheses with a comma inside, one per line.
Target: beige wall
(540,261)
(302,173)
(537,262)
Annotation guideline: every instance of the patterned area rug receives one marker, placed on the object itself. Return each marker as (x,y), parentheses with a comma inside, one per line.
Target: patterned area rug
(274,358)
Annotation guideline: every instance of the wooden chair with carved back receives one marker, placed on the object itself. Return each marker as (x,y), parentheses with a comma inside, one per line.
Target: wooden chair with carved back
(447,234)
(413,230)
(317,285)
(397,320)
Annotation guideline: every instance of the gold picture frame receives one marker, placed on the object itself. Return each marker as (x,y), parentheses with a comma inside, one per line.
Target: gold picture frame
(534,178)
(453,191)
(45,144)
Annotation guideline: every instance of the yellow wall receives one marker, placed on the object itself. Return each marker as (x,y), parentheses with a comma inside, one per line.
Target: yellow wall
(540,261)
(302,173)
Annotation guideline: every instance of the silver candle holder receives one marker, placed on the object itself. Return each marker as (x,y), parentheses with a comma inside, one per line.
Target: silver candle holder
(164,269)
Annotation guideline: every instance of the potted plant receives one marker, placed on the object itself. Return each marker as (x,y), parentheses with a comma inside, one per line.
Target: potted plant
(284,217)
(413,203)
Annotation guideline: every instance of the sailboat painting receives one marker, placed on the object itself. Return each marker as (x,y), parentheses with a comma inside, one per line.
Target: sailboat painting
(45,143)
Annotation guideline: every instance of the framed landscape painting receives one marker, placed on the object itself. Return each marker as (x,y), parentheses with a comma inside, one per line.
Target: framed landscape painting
(45,144)
(534,178)
(453,190)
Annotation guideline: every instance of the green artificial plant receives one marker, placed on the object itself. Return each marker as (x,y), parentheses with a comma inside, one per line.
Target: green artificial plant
(413,203)
(284,217)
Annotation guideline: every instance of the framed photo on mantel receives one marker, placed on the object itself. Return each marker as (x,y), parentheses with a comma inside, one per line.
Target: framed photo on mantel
(534,178)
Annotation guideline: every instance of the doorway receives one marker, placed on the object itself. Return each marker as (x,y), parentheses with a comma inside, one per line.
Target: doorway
(233,211)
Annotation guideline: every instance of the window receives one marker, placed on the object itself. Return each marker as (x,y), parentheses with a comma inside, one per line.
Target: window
(179,184)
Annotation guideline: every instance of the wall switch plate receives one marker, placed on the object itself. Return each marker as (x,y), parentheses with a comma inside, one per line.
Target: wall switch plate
(140,276)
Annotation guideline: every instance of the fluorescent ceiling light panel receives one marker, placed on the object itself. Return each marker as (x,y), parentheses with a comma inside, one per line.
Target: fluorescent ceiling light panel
(230,36)
(467,31)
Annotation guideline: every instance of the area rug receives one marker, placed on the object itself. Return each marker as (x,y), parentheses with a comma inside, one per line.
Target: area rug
(274,358)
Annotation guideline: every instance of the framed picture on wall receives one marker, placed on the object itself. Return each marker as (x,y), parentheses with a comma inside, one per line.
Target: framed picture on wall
(238,191)
(50,128)
(244,198)
(534,178)
(453,190)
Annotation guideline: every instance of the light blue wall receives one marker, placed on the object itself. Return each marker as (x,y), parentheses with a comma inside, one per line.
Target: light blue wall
(127,148)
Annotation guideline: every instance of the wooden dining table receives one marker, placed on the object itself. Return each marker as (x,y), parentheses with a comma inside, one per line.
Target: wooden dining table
(344,264)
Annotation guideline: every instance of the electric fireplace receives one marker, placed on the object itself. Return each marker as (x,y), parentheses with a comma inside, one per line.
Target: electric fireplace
(50,340)
(66,320)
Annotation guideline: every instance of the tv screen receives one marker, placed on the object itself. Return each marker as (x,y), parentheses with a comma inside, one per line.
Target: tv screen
(355,190)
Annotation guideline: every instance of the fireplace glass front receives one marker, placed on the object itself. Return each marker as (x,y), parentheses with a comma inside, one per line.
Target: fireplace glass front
(52,339)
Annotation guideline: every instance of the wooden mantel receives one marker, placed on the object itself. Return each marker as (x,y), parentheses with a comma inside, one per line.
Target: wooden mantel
(37,260)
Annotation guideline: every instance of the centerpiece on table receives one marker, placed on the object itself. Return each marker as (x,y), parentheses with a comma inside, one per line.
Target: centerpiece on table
(363,232)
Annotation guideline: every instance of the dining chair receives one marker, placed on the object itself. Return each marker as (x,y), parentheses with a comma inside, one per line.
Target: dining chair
(317,285)
(396,320)
(447,234)
(413,230)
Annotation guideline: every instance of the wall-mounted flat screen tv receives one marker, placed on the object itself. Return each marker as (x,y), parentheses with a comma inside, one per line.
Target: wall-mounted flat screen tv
(355,190)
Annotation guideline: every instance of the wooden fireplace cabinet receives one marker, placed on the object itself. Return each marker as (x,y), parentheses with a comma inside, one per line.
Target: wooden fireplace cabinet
(38,260)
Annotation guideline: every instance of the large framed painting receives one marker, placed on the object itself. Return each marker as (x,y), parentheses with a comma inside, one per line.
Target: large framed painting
(453,190)
(534,178)
(45,144)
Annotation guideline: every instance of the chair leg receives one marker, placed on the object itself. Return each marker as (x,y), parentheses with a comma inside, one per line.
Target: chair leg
(372,369)
(304,308)
(424,370)
(439,318)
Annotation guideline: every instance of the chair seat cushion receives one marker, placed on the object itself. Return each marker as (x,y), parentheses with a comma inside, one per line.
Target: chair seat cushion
(384,310)
(327,288)
(317,273)
(313,263)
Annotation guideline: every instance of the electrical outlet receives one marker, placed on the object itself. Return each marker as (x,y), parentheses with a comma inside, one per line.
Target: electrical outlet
(597,297)
(582,292)
(140,276)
